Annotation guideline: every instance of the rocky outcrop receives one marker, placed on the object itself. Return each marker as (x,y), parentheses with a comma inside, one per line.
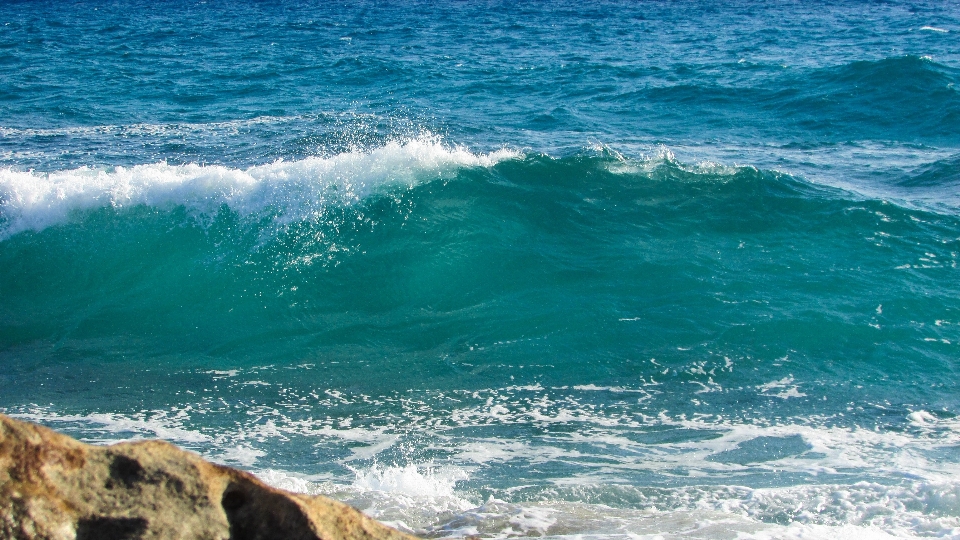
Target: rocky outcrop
(54,487)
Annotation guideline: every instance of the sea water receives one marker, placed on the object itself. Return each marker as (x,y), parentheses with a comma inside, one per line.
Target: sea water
(565,269)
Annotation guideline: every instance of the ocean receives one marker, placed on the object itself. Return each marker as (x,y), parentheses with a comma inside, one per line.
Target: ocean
(576,270)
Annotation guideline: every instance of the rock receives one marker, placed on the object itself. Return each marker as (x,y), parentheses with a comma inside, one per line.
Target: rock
(54,487)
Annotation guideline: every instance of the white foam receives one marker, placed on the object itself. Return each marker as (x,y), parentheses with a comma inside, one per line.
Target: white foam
(934,29)
(243,455)
(787,389)
(661,155)
(284,480)
(921,418)
(413,480)
(286,191)
(156,424)
(842,481)
(613,389)
(409,497)
(534,520)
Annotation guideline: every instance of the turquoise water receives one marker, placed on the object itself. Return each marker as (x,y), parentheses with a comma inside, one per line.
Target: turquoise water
(595,270)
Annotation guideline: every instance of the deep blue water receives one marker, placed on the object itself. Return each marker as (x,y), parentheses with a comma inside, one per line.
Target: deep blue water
(606,269)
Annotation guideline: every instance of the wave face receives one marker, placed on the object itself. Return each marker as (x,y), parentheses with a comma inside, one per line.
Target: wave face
(620,271)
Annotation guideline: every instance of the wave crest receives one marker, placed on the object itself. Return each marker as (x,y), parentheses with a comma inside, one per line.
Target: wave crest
(286,191)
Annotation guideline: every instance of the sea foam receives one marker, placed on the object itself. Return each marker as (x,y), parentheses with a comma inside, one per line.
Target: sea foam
(908,492)
(288,191)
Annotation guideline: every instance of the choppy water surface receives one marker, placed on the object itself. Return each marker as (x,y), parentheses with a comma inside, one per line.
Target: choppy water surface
(605,270)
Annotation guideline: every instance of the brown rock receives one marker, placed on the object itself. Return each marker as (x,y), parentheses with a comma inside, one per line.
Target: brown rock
(54,487)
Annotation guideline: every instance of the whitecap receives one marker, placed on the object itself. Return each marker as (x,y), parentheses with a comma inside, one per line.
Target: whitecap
(287,191)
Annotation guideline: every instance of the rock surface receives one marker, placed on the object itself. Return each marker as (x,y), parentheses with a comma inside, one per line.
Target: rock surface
(54,487)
